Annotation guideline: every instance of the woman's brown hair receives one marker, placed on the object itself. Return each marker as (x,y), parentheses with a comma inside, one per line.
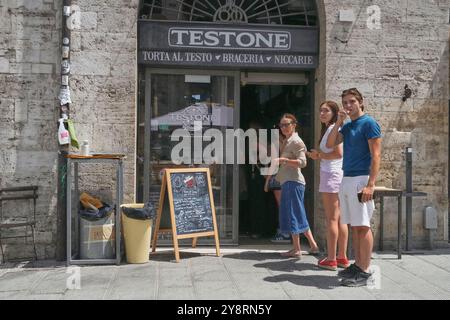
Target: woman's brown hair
(335,110)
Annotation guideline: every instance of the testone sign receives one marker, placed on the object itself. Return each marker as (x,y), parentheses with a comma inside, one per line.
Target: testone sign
(279,47)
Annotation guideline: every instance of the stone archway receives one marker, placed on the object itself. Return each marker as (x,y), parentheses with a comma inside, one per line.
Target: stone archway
(280,12)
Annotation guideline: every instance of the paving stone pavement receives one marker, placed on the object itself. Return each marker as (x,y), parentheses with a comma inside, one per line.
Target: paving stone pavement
(239,274)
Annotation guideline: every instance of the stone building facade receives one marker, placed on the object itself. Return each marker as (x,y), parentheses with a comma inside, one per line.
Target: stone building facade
(409,47)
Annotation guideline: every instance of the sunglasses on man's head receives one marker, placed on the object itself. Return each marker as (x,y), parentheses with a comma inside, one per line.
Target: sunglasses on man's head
(349,90)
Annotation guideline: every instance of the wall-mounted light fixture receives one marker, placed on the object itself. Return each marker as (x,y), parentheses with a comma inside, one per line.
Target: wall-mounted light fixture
(407,93)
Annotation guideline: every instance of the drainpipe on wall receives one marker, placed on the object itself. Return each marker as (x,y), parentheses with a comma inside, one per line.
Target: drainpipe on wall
(64,109)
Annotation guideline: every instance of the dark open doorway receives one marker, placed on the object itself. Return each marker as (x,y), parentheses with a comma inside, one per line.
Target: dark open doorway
(261,106)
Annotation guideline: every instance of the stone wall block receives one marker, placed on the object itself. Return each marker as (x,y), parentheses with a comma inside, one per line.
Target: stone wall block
(120,113)
(120,138)
(5,20)
(88,21)
(43,111)
(36,161)
(425,11)
(20,111)
(6,110)
(38,137)
(395,88)
(111,42)
(102,89)
(382,68)
(91,62)
(42,68)
(84,112)
(115,20)
(51,56)
(8,161)
(7,134)
(339,82)
(20,68)
(121,65)
(28,55)
(418,70)
(383,104)
(4,65)
(75,41)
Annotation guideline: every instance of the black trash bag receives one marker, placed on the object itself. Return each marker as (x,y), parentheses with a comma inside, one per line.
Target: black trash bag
(146,213)
(95,215)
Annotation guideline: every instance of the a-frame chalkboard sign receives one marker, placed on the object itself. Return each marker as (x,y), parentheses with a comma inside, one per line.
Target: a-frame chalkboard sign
(192,211)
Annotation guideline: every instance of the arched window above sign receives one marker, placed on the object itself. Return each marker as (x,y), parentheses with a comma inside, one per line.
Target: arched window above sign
(282,12)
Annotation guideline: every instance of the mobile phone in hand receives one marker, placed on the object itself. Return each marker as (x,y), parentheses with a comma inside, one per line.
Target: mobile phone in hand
(360,197)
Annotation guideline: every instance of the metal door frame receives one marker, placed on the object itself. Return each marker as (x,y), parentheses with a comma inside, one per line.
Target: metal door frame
(236,122)
(308,80)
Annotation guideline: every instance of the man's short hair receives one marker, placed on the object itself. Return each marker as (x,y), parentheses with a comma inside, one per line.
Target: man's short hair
(355,92)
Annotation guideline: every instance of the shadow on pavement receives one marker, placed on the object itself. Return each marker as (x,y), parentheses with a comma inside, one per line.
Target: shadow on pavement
(255,255)
(261,256)
(282,264)
(169,256)
(290,265)
(318,281)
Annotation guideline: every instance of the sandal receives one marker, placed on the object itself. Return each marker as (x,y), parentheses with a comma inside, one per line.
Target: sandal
(292,254)
(327,264)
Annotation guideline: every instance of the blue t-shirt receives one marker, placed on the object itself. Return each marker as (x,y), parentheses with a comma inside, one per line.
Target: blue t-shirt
(357,156)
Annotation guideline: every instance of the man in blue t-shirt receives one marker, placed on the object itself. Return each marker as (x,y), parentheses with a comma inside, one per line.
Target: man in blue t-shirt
(361,164)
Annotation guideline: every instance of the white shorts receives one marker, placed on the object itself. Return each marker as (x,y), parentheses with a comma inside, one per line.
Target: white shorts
(354,212)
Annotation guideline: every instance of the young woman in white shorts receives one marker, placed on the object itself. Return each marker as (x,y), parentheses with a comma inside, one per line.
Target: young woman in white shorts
(330,181)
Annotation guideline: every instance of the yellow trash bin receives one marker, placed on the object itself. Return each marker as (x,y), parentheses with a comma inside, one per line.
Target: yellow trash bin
(137,234)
